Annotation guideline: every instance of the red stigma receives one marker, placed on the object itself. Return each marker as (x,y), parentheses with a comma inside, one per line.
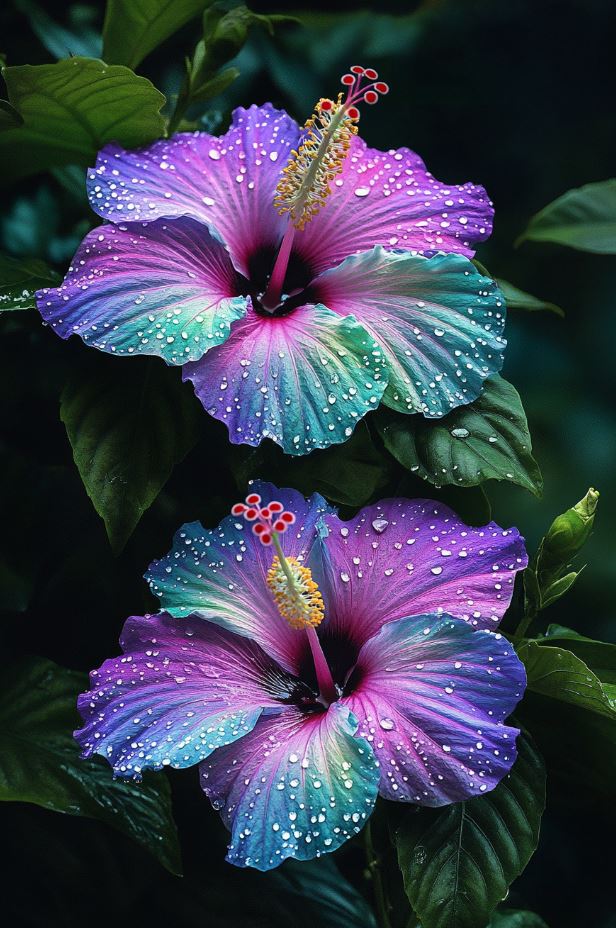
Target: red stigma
(371,96)
(371,74)
(347,79)
(382,87)
(357,69)
(356,92)
(326,104)
(269,520)
(353,112)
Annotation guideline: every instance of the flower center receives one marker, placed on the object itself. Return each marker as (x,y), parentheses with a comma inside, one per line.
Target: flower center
(304,186)
(297,596)
(295,593)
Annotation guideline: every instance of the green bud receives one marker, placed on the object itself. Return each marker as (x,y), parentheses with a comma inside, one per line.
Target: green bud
(568,533)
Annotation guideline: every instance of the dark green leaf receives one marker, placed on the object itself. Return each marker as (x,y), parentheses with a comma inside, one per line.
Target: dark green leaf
(19,281)
(553,591)
(314,894)
(9,117)
(458,862)
(39,761)
(516,918)
(133,28)
(128,424)
(489,439)
(600,656)
(561,675)
(584,218)
(519,299)
(80,38)
(71,109)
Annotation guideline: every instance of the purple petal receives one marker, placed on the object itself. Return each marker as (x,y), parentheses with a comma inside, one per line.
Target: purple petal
(401,558)
(298,785)
(439,321)
(221,574)
(303,380)
(181,689)
(390,199)
(227,182)
(431,700)
(159,288)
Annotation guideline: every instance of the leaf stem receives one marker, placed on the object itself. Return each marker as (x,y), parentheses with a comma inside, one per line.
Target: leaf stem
(374,867)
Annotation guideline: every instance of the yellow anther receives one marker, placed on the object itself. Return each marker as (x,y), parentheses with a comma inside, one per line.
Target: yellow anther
(295,593)
(304,185)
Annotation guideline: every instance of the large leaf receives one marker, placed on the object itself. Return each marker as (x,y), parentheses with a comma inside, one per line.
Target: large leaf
(133,28)
(458,862)
(489,439)
(600,656)
(128,423)
(71,109)
(519,299)
(20,279)
(314,894)
(584,218)
(40,763)
(561,675)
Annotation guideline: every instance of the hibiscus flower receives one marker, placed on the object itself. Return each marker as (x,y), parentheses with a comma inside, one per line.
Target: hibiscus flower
(310,664)
(299,277)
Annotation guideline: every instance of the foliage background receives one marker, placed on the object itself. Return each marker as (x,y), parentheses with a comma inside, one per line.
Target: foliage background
(514,94)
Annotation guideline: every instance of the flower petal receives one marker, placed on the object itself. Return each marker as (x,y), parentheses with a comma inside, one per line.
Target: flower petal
(220,574)
(432,698)
(303,380)
(181,689)
(159,288)
(400,557)
(298,786)
(227,182)
(389,198)
(439,321)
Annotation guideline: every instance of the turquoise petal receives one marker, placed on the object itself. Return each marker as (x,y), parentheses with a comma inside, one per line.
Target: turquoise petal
(299,785)
(438,320)
(303,380)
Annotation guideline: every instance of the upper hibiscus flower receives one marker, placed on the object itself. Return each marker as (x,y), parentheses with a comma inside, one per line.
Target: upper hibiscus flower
(311,664)
(298,276)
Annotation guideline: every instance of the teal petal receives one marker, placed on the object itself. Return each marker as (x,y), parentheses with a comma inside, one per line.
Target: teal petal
(438,320)
(303,380)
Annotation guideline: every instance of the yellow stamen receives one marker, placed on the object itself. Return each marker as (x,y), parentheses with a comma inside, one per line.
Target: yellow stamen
(296,594)
(304,185)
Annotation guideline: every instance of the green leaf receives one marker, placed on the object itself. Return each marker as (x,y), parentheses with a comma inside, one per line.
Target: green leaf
(600,656)
(71,109)
(584,218)
(134,28)
(516,918)
(80,38)
(19,280)
(561,675)
(39,761)
(489,439)
(9,117)
(314,894)
(128,424)
(457,862)
(519,299)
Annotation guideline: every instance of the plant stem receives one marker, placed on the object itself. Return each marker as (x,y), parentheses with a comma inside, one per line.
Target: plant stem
(374,867)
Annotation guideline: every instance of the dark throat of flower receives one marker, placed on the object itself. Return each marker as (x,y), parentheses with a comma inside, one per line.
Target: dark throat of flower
(296,594)
(306,180)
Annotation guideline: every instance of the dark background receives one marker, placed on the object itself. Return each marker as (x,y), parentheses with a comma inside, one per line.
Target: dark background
(515,94)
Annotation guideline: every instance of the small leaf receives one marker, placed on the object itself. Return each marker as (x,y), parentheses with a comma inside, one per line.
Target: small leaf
(561,675)
(584,218)
(133,29)
(519,299)
(39,761)
(516,918)
(19,280)
(71,109)
(128,424)
(458,862)
(553,591)
(489,439)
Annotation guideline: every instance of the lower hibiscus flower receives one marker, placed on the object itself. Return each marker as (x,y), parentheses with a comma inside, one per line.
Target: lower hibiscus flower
(310,664)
